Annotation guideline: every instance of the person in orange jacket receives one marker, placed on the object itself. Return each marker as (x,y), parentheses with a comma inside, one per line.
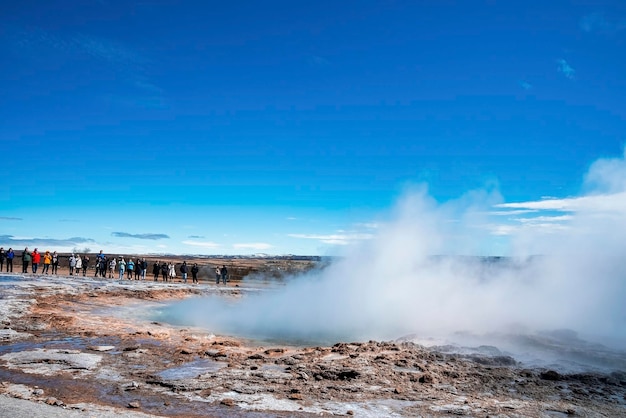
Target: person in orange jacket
(47,260)
(36,260)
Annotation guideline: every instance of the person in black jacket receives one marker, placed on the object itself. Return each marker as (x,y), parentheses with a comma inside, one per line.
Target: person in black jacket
(156,269)
(3,256)
(164,271)
(224,273)
(183,270)
(194,273)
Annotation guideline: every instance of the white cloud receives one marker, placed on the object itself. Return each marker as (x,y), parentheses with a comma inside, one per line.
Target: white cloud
(544,219)
(253,246)
(615,202)
(204,244)
(511,212)
(335,239)
(566,69)
(369,225)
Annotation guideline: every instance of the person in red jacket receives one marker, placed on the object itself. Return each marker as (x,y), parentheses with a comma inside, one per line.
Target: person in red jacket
(36,260)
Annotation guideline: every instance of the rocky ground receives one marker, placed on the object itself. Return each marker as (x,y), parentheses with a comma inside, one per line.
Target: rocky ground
(79,345)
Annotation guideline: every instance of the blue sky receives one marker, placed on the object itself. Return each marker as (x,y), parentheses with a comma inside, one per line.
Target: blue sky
(293,127)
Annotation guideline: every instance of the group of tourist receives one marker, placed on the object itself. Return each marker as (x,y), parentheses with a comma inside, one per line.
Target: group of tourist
(134,269)
(30,258)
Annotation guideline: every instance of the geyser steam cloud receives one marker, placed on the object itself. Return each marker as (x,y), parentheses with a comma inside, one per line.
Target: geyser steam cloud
(395,284)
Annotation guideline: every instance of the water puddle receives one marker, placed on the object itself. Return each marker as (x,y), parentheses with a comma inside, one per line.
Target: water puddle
(192,369)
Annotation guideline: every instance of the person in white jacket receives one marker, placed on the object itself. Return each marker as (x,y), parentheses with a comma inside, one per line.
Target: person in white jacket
(172,272)
(79,264)
(112,264)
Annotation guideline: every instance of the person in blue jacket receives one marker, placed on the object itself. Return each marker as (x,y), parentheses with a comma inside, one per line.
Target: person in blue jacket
(10,257)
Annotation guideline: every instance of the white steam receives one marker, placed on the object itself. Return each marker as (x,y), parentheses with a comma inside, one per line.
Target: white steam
(419,274)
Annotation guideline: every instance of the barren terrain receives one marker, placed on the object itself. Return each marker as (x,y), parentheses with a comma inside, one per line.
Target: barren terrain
(82,344)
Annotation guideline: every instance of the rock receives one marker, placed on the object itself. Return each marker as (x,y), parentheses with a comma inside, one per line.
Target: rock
(295,396)
(215,353)
(271,351)
(398,390)
(256,356)
(337,374)
(131,348)
(185,351)
(101,348)
(228,402)
(134,405)
(426,378)
(550,375)
(349,412)
(38,392)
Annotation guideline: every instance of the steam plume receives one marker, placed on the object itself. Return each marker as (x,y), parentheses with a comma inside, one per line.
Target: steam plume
(397,284)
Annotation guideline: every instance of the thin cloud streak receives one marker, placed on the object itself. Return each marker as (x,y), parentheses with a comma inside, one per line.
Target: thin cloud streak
(335,239)
(139,236)
(10,218)
(595,203)
(11,240)
(203,244)
(253,246)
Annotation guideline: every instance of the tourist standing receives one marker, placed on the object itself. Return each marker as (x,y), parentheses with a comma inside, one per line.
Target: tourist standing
(137,268)
(97,267)
(112,264)
(121,267)
(224,273)
(218,274)
(79,264)
(72,261)
(103,270)
(183,271)
(85,264)
(194,272)
(164,271)
(144,268)
(26,258)
(130,266)
(10,257)
(3,256)
(55,262)
(156,269)
(171,272)
(47,260)
(36,260)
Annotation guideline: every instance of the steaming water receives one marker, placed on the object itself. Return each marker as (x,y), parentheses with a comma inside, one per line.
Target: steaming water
(565,307)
